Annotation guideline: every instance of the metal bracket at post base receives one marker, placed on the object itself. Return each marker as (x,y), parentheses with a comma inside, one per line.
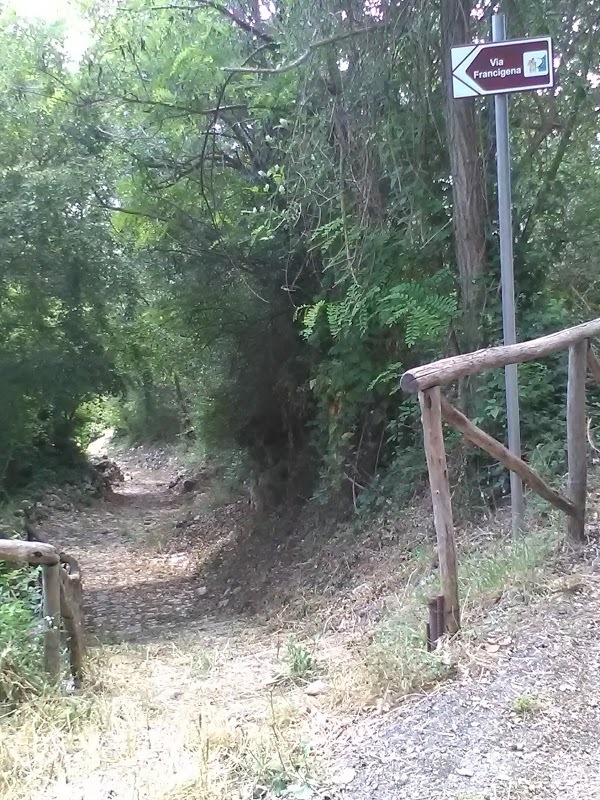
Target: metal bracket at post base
(436,627)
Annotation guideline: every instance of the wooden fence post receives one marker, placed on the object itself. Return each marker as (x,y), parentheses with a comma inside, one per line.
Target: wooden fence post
(576,438)
(71,612)
(431,416)
(62,597)
(51,592)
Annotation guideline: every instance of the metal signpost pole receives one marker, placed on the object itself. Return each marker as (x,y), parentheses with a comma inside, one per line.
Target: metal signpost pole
(499,67)
(508,289)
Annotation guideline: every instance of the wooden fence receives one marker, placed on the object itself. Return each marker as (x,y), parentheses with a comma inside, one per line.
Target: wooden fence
(426,382)
(62,598)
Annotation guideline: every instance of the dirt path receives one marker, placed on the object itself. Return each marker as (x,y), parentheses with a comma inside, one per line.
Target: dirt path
(134,589)
(185,698)
(191,698)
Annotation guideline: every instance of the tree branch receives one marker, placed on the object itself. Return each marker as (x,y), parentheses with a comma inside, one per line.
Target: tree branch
(132,211)
(567,131)
(186,109)
(249,27)
(302,58)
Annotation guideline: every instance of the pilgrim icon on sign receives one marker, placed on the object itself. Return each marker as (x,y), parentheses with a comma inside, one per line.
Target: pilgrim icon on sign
(535,63)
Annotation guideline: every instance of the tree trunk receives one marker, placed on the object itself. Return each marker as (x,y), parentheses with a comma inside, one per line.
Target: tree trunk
(186,419)
(468,185)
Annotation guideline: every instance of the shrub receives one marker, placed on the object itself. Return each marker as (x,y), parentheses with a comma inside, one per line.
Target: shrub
(20,628)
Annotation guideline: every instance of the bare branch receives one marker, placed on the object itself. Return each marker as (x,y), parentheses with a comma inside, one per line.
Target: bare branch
(186,109)
(249,27)
(307,53)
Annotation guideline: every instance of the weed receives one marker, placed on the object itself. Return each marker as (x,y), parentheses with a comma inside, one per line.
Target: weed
(398,659)
(202,662)
(527,705)
(161,702)
(265,757)
(470,796)
(299,660)
(516,563)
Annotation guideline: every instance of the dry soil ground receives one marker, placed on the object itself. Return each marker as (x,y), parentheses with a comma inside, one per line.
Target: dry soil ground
(221,672)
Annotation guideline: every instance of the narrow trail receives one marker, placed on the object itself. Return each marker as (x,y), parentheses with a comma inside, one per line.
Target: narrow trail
(137,587)
(187,699)
(175,676)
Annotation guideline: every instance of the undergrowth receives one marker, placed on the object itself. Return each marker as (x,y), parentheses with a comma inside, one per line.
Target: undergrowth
(20,635)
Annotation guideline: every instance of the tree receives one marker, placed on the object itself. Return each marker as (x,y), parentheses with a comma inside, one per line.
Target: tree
(59,265)
(265,217)
(469,211)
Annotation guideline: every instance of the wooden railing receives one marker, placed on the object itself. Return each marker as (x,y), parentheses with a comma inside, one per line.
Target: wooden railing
(426,382)
(62,598)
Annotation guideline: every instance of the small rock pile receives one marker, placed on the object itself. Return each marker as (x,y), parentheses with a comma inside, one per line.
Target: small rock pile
(109,470)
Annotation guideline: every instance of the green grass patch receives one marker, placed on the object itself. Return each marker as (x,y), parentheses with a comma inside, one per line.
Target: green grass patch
(527,705)
(397,658)
(504,565)
(299,660)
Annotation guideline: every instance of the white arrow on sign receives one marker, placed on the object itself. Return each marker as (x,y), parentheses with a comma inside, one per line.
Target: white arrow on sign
(463,57)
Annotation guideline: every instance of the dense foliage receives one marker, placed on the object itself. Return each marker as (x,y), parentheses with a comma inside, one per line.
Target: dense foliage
(20,635)
(240,219)
(60,263)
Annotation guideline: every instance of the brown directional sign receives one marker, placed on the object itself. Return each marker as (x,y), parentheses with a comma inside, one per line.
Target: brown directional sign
(516,65)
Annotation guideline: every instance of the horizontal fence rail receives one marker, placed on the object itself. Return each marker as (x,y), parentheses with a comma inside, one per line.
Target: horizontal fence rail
(446,370)
(426,382)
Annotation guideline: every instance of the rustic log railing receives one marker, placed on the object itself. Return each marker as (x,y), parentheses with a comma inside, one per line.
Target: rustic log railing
(62,598)
(426,382)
